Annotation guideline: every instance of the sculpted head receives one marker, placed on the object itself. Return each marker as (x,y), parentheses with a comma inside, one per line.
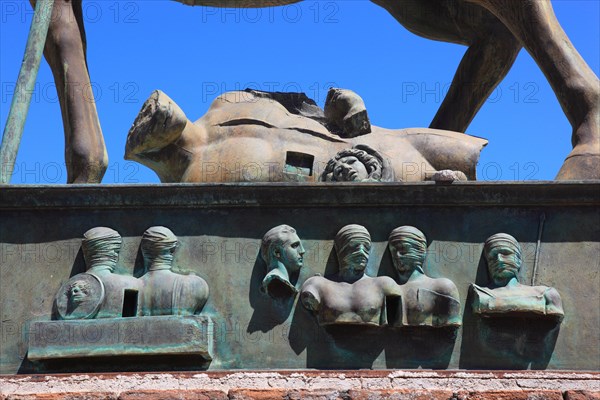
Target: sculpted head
(353,165)
(158,245)
(408,246)
(352,245)
(101,248)
(77,292)
(503,256)
(282,244)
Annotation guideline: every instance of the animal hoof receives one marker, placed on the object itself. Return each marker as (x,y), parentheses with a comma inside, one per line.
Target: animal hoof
(580,166)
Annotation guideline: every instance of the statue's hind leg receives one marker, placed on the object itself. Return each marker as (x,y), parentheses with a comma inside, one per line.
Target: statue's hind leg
(491,53)
(576,86)
(85,151)
(484,65)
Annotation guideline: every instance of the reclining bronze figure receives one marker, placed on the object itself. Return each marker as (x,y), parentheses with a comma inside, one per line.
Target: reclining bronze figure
(494,31)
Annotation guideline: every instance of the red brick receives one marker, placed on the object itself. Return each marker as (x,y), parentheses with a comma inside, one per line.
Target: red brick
(581,395)
(257,394)
(286,394)
(173,395)
(513,395)
(400,394)
(64,396)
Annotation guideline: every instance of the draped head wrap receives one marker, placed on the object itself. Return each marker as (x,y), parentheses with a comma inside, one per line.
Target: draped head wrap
(158,244)
(414,237)
(348,232)
(101,247)
(411,235)
(502,239)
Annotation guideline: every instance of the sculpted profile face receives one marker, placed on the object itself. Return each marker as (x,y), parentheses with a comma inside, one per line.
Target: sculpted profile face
(353,244)
(408,246)
(283,244)
(503,255)
(354,165)
(101,248)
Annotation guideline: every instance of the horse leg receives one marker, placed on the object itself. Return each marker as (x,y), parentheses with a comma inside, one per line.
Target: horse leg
(484,65)
(576,86)
(492,51)
(85,151)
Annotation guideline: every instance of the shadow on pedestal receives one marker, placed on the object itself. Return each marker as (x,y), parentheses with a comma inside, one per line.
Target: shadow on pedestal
(268,312)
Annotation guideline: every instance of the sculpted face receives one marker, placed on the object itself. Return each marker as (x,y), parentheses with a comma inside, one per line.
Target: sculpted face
(406,256)
(78,292)
(291,253)
(355,255)
(503,263)
(350,169)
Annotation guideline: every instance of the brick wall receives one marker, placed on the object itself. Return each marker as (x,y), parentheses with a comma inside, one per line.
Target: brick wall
(288,385)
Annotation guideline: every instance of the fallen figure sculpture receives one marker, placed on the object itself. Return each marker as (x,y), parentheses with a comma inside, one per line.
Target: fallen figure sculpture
(252,136)
(494,31)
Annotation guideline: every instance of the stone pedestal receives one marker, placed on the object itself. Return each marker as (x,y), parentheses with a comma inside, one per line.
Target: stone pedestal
(191,336)
(220,227)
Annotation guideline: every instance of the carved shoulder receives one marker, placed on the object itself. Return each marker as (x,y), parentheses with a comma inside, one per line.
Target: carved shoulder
(310,294)
(553,303)
(446,287)
(313,282)
(200,285)
(389,286)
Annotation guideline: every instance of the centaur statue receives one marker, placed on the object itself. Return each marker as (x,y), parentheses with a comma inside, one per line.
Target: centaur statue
(494,31)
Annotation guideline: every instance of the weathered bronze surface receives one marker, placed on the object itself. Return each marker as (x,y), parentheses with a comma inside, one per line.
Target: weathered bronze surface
(166,292)
(350,296)
(346,113)
(283,254)
(249,136)
(219,231)
(101,247)
(86,158)
(424,301)
(19,107)
(191,336)
(494,30)
(506,296)
(117,301)
(80,297)
(358,164)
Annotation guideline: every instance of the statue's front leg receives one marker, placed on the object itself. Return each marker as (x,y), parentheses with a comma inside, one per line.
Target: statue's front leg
(85,151)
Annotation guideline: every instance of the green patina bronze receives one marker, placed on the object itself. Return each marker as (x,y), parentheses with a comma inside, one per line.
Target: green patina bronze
(220,236)
(190,336)
(13,130)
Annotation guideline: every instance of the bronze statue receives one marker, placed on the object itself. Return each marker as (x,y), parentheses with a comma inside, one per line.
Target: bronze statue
(166,292)
(99,285)
(494,31)
(350,297)
(506,296)
(358,164)
(259,136)
(80,298)
(425,301)
(346,113)
(283,253)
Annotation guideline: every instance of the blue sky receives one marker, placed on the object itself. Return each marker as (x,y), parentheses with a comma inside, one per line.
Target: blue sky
(195,53)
